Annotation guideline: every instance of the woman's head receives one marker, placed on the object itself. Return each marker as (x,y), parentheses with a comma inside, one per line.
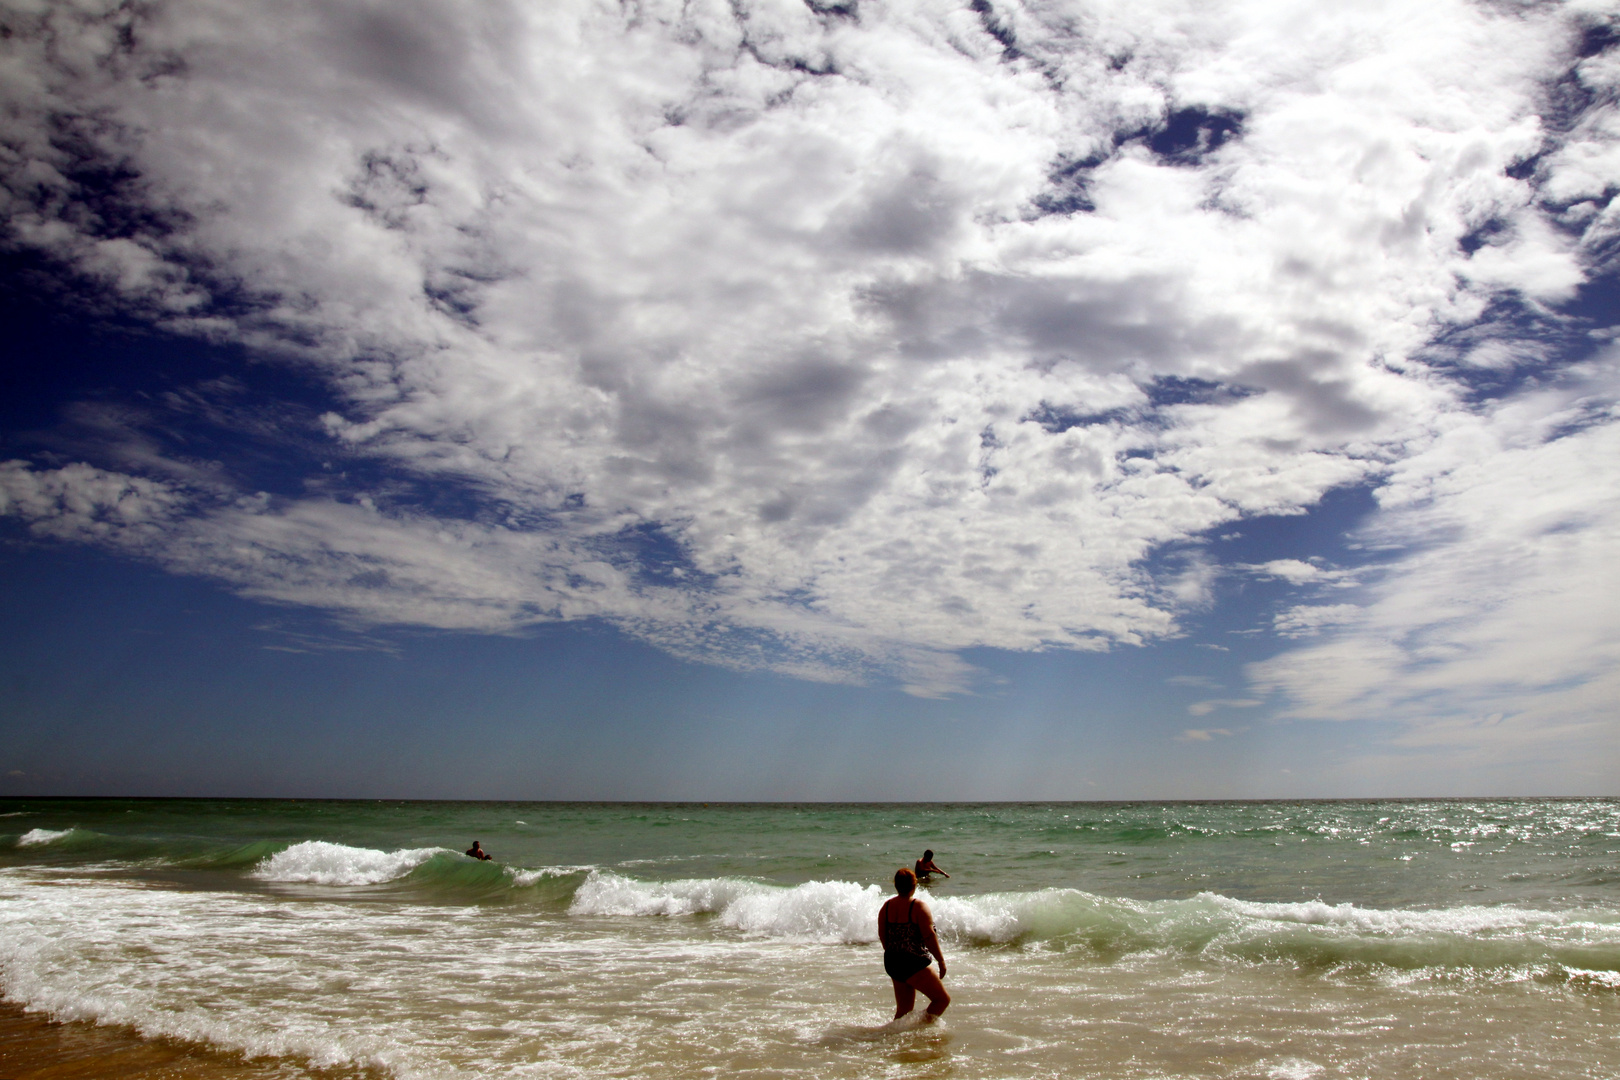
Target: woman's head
(905,882)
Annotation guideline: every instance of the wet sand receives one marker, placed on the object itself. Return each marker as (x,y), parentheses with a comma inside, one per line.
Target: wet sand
(35,1048)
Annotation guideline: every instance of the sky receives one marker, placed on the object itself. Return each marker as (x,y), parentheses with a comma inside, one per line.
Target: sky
(810,399)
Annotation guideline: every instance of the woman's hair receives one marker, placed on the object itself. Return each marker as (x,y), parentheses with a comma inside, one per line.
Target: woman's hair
(905,882)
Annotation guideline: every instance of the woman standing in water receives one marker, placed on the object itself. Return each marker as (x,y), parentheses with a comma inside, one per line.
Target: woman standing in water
(906,929)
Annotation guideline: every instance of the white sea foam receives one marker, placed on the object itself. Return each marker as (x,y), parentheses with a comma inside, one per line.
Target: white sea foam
(1471,920)
(35,837)
(997,918)
(318,862)
(524,878)
(399,985)
(1583,976)
(1455,920)
(611,894)
(829,911)
(842,911)
(815,911)
(54,959)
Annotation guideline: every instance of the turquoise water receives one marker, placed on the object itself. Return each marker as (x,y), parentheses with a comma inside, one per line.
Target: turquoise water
(1090,939)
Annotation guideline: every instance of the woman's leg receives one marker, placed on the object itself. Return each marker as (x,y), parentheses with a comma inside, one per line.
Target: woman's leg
(904,998)
(934,990)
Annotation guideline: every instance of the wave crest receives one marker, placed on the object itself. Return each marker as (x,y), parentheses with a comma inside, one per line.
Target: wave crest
(1311,933)
(829,911)
(319,862)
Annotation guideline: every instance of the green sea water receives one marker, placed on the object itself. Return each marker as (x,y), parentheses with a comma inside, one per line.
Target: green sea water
(1288,939)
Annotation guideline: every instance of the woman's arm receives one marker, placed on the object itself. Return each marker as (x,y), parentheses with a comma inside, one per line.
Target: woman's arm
(883,930)
(925,919)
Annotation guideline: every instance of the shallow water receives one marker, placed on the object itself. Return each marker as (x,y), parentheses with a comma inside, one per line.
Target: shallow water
(1340,939)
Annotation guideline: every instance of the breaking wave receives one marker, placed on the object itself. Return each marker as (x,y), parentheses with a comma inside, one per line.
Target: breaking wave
(831,911)
(1312,934)
(1583,943)
(318,862)
(429,871)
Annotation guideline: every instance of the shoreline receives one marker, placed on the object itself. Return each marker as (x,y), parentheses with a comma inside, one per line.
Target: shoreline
(353,942)
(35,1047)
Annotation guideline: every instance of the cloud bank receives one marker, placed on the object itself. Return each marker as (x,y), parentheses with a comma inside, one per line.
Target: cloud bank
(1497,626)
(838,338)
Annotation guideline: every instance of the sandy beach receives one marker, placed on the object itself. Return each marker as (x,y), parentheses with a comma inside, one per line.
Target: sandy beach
(33,1047)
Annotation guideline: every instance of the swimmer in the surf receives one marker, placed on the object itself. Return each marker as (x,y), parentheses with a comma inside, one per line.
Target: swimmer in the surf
(477,852)
(925,867)
(906,929)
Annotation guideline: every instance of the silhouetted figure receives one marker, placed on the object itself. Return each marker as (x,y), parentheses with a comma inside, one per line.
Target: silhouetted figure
(477,852)
(925,866)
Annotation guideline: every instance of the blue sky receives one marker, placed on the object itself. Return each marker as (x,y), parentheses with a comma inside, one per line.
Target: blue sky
(785,400)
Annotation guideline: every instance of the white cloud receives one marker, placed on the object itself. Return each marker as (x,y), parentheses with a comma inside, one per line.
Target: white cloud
(1499,629)
(1305,620)
(1203,734)
(781,285)
(1204,708)
(1293,571)
(1299,572)
(79,502)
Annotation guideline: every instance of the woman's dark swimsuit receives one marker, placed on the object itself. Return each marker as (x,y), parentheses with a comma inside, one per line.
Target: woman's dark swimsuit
(905,955)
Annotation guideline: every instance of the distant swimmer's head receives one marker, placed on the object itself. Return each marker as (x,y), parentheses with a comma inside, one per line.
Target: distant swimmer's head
(928,855)
(905,882)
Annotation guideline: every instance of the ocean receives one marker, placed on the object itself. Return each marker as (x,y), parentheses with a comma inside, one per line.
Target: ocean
(1453,938)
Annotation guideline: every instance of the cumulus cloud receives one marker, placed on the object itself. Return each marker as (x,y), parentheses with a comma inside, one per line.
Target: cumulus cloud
(829,338)
(79,502)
